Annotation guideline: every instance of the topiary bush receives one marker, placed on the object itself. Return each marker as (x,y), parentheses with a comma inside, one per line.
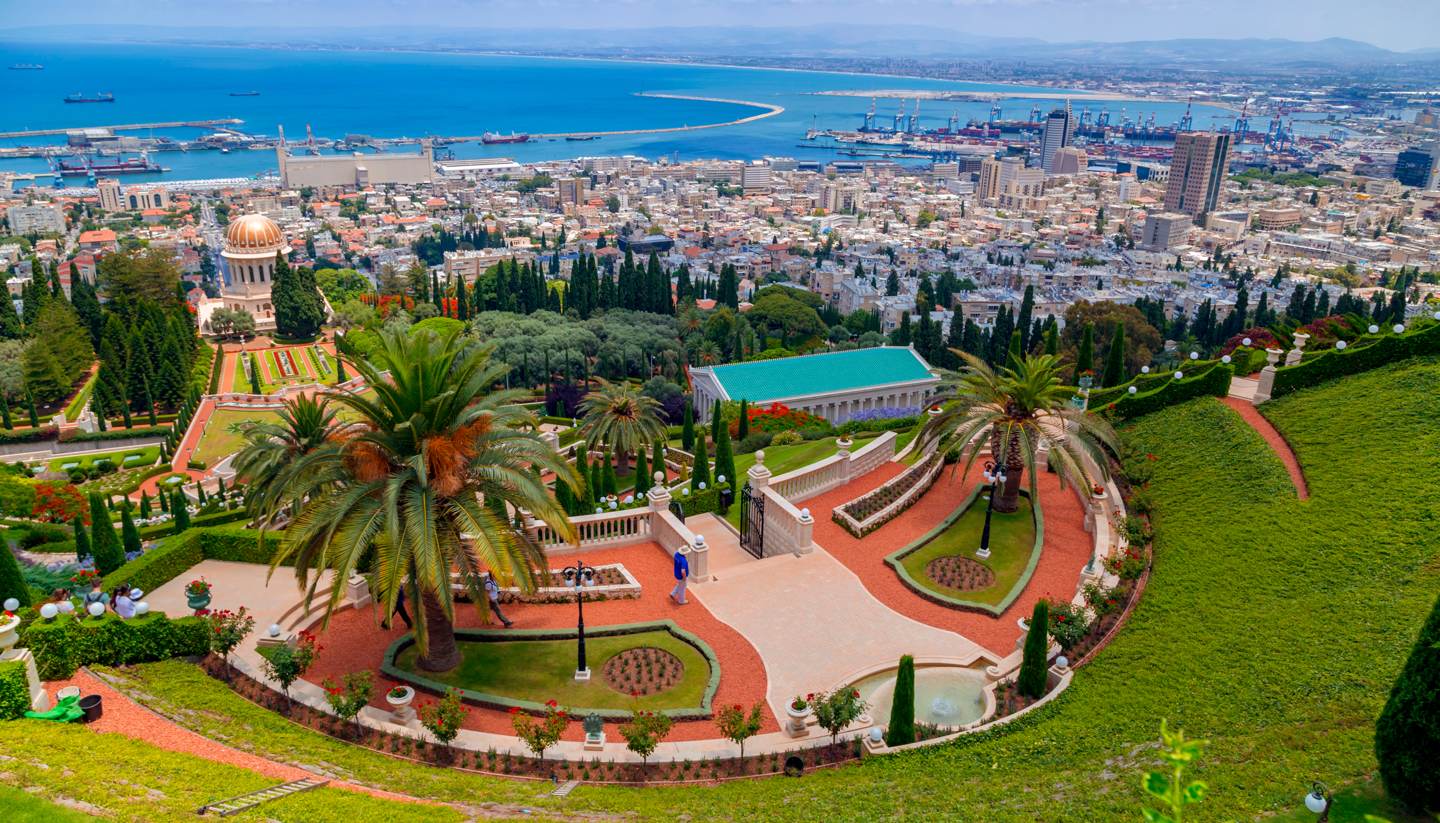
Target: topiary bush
(14,690)
(1407,735)
(1032,678)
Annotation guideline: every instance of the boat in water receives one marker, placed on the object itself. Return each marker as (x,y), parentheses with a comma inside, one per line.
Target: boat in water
(83,166)
(582,139)
(27,67)
(102,97)
(244,94)
(490,138)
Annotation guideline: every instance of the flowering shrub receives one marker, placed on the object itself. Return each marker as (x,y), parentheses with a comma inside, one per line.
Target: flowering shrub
(737,726)
(1103,601)
(1128,564)
(197,587)
(644,732)
(350,695)
(853,516)
(800,704)
(227,629)
(59,503)
(778,417)
(542,733)
(82,578)
(397,692)
(286,663)
(443,719)
(1068,624)
(838,709)
(1260,338)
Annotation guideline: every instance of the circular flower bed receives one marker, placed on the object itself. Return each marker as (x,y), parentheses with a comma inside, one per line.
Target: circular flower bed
(961,573)
(643,671)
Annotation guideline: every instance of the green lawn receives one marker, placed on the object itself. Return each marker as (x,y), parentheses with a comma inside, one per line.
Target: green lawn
(1012,541)
(1270,627)
(217,441)
(25,807)
(782,459)
(541,670)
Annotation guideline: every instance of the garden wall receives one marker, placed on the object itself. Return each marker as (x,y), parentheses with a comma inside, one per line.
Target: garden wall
(1333,363)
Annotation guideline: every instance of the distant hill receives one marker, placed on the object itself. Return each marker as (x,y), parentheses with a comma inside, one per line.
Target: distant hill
(870,41)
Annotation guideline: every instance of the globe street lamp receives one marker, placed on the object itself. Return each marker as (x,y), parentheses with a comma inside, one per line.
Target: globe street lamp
(579,576)
(1318,801)
(995,478)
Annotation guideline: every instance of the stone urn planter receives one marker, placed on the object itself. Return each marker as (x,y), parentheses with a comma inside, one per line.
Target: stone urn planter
(798,712)
(1097,492)
(400,697)
(9,633)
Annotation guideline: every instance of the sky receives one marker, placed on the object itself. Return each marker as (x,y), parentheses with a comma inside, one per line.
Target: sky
(1394,24)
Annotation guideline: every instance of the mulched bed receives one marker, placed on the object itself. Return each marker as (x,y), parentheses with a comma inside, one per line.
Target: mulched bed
(961,573)
(592,770)
(643,671)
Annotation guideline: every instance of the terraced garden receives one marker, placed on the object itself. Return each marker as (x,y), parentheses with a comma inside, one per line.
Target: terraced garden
(1271,627)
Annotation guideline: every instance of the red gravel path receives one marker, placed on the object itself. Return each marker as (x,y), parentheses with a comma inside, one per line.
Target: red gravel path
(1277,442)
(354,641)
(127,718)
(1066,550)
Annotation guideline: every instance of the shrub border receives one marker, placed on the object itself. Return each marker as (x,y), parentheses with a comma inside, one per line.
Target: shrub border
(388,667)
(895,558)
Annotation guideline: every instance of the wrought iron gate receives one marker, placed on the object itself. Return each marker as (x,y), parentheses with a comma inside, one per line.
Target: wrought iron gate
(752,521)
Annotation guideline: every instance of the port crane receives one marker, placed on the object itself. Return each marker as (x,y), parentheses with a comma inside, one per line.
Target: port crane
(1187,122)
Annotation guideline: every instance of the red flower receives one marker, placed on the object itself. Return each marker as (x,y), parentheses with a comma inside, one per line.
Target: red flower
(551,703)
(514,709)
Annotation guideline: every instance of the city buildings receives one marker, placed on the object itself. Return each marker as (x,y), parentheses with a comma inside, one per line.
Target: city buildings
(35,218)
(1059,133)
(1419,166)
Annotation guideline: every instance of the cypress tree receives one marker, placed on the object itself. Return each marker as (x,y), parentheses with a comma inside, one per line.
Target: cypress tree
(1027,311)
(30,410)
(607,475)
(1052,341)
(1115,359)
(254,375)
(1031,680)
(180,510)
(104,544)
(585,498)
(642,474)
(744,423)
(716,422)
(563,498)
(1014,353)
(129,535)
(144,505)
(687,431)
(902,706)
(724,457)
(657,460)
(12,582)
(82,538)
(5,411)
(163,498)
(701,472)
(1085,355)
(1407,735)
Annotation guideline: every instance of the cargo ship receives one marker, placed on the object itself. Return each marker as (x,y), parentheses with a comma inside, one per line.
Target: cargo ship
(490,138)
(83,167)
(27,67)
(582,139)
(102,97)
(244,94)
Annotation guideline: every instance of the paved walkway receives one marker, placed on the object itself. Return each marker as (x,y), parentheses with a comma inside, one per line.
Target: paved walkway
(1277,442)
(813,621)
(1066,551)
(235,585)
(1244,388)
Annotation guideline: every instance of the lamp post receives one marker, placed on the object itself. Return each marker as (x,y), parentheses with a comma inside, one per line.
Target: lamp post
(994,478)
(1318,801)
(580,576)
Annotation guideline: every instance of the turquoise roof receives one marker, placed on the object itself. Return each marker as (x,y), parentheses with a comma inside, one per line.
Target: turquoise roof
(765,380)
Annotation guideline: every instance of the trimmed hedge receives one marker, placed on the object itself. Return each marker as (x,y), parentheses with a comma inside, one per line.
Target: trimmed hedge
(703,502)
(45,432)
(14,690)
(213,519)
(1333,363)
(65,644)
(119,434)
(178,553)
(1215,383)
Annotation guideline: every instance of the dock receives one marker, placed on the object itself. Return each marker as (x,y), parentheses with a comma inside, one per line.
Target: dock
(175,124)
(770,110)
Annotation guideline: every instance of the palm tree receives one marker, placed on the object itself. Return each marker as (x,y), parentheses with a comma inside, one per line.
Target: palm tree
(406,481)
(619,416)
(268,458)
(1013,412)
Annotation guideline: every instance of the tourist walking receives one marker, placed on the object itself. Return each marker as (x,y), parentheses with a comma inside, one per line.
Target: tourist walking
(492,591)
(401,610)
(682,575)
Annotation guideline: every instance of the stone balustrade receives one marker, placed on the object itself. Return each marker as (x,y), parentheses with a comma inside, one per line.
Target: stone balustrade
(617,528)
(834,471)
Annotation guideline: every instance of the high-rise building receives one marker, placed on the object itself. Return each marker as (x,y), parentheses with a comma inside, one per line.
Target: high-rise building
(1069,160)
(1008,176)
(1165,231)
(1059,132)
(36,218)
(755,178)
(1197,172)
(571,190)
(109,189)
(1419,166)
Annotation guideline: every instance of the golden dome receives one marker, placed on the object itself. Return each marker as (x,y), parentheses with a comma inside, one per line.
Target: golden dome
(253,232)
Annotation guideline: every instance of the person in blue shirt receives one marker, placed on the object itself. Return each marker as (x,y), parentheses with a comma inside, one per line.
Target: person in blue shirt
(682,575)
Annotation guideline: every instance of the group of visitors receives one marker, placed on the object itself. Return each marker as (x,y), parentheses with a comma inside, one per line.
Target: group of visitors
(492,593)
(121,599)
